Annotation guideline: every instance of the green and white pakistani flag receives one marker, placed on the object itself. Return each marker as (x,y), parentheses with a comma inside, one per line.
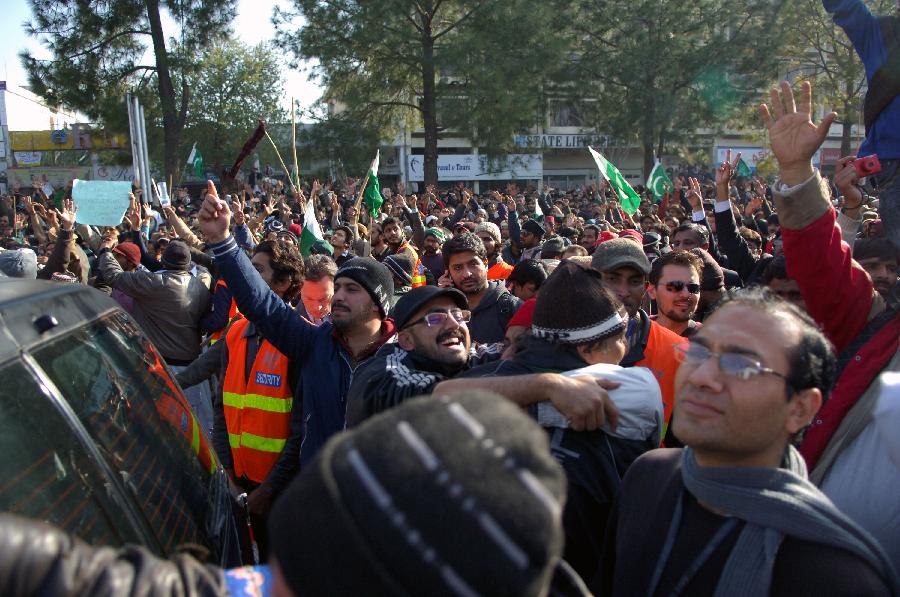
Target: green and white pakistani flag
(311,234)
(659,182)
(195,160)
(628,197)
(372,195)
(743,169)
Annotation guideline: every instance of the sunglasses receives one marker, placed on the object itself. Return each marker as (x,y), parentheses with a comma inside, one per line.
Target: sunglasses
(678,286)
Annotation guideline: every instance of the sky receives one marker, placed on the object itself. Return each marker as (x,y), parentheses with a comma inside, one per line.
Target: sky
(25,111)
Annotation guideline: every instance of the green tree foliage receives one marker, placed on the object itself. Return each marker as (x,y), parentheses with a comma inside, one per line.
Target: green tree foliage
(233,87)
(820,51)
(475,67)
(99,49)
(658,70)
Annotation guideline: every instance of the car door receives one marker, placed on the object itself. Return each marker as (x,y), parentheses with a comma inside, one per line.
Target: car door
(116,384)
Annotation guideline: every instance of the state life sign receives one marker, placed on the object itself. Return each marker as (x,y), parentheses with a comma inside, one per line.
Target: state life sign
(547,141)
(525,166)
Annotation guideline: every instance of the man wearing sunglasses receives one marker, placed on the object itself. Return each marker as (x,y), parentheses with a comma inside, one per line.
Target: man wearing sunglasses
(733,512)
(433,345)
(675,286)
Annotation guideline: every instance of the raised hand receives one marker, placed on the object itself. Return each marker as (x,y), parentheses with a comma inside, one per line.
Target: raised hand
(792,133)
(725,173)
(214,216)
(67,214)
(52,219)
(694,196)
(133,215)
(238,212)
(267,207)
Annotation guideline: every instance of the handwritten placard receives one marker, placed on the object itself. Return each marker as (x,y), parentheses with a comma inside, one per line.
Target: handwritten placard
(101,202)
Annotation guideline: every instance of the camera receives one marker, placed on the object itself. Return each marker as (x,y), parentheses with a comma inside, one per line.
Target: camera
(867,166)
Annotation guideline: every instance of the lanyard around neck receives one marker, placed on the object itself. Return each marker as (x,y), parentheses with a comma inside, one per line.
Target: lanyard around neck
(726,528)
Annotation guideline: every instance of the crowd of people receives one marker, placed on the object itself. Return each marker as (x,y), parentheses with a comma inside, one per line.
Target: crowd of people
(526,392)
(705,371)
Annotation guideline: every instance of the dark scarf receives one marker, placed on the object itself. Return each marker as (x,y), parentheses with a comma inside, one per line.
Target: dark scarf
(774,502)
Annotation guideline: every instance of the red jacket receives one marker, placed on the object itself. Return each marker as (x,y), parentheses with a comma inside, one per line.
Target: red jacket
(838,295)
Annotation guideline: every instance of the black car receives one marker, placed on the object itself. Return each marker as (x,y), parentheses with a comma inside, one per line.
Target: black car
(95,436)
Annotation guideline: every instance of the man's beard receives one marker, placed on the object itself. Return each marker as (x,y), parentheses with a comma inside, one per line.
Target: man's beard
(347,321)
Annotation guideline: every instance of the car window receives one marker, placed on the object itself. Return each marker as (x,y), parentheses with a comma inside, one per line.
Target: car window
(113,379)
(45,472)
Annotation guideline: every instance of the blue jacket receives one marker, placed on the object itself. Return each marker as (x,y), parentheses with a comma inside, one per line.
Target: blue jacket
(326,367)
(864,31)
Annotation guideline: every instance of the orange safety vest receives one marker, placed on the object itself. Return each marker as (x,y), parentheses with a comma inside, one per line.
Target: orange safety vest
(232,312)
(258,407)
(659,358)
(499,271)
(175,411)
(418,277)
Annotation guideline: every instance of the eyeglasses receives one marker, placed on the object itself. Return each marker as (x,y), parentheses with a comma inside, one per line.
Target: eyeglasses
(732,364)
(678,286)
(438,318)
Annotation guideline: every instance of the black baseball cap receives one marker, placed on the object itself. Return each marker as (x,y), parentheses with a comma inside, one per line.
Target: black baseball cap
(416,298)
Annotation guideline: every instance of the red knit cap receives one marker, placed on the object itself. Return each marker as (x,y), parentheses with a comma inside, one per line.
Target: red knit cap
(523,315)
(129,251)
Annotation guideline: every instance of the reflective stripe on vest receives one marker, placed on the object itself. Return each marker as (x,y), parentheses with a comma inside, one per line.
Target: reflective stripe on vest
(257,407)
(418,277)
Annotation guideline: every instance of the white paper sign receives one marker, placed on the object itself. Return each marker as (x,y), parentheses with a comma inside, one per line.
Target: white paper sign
(100,202)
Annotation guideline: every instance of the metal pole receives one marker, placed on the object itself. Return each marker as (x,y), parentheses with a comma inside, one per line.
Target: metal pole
(132,137)
(148,192)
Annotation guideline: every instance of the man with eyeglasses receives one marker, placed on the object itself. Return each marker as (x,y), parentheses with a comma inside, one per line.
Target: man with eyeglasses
(675,286)
(433,345)
(732,512)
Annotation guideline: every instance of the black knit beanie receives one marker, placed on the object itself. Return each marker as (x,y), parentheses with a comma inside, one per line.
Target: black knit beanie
(402,266)
(372,276)
(450,495)
(574,308)
(177,257)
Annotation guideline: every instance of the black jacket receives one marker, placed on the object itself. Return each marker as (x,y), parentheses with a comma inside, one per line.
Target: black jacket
(491,316)
(594,461)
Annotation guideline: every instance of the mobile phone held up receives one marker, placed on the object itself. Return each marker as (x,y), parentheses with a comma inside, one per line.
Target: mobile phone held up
(867,166)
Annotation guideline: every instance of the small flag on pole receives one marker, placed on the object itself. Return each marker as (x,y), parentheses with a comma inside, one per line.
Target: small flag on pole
(628,197)
(659,182)
(312,232)
(743,169)
(372,195)
(195,160)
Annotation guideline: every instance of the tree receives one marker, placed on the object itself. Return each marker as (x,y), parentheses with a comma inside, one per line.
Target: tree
(233,87)
(821,52)
(661,69)
(98,51)
(476,67)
